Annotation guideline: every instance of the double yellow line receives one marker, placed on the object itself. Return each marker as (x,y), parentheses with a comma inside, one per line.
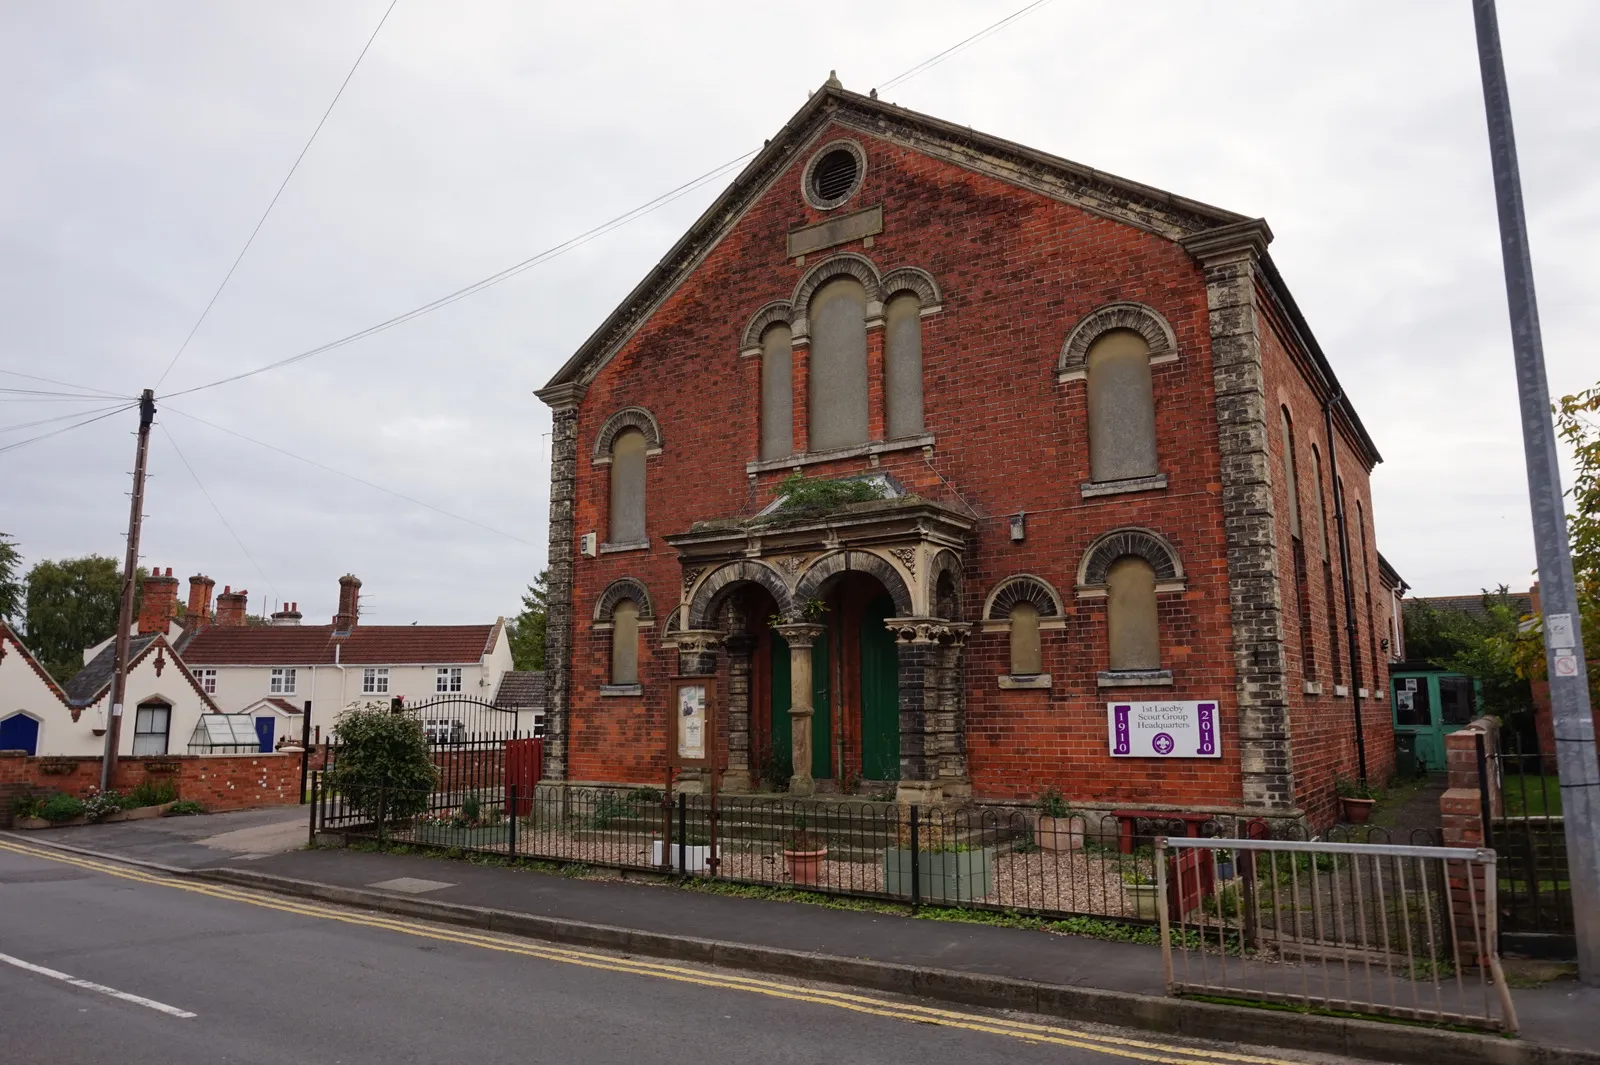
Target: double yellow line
(1135,1049)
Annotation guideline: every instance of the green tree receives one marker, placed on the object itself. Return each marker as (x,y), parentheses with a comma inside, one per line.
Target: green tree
(1479,646)
(383,767)
(1578,424)
(72,605)
(527,629)
(12,589)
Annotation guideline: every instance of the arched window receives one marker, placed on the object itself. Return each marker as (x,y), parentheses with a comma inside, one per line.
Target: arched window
(1322,506)
(1291,481)
(838,365)
(1122,415)
(625,642)
(903,358)
(1026,657)
(1133,631)
(777,392)
(627,487)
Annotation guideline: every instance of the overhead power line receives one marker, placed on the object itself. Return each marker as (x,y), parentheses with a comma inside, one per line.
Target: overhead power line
(220,516)
(583,238)
(933,61)
(58,418)
(274,202)
(488,282)
(77,389)
(351,477)
(66,428)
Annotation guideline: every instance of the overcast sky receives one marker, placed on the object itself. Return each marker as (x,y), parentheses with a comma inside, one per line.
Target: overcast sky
(143,140)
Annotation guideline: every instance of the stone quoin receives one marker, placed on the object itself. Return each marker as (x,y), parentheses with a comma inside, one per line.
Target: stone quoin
(1076,427)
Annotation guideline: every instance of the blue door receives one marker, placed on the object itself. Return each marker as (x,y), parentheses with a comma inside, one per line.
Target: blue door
(19,732)
(264,727)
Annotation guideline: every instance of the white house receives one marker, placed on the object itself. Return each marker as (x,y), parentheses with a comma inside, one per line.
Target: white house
(163,703)
(272,670)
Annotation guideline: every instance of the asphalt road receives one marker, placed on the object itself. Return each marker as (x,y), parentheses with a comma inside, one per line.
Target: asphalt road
(108,963)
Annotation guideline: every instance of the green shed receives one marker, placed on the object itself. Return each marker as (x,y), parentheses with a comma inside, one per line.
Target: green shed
(1429,703)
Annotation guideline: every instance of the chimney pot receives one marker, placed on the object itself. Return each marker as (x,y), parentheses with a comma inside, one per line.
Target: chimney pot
(159,604)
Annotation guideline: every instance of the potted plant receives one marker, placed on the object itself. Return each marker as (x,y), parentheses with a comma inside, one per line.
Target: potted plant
(1224,861)
(1141,888)
(1060,829)
(803,852)
(1356,800)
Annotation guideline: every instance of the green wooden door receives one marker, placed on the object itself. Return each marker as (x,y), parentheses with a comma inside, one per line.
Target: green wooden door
(781,732)
(880,694)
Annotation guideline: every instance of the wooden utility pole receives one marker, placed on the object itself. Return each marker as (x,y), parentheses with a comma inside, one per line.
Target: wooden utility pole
(130,565)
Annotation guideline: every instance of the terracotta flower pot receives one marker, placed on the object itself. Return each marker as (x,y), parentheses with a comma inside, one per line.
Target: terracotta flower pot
(804,866)
(1356,811)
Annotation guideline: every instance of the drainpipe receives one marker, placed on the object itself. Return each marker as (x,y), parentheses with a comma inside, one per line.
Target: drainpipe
(1350,633)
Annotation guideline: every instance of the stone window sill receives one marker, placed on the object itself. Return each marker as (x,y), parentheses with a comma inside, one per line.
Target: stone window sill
(1133,484)
(1340,691)
(809,458)
(618,691)
(1012,681)
(615,549)
(1364,693)
(1311,687)
(1135,678)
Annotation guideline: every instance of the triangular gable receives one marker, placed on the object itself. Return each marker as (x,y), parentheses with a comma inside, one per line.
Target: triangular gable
(11,643)
(1095,191)
(166,658)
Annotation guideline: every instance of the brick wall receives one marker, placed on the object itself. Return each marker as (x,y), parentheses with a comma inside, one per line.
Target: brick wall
(1461,812)
(221,782)
(1016,271)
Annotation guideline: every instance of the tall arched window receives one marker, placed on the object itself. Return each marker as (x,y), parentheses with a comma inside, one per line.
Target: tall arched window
(625,643)
(777,393)
(627,487)
(1134,634)
(903,358)
(1122,415)
(838,365)
(1291,480)
(1322,506)
(1026,655)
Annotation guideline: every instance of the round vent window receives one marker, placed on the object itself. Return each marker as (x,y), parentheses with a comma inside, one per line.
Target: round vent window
(833,175)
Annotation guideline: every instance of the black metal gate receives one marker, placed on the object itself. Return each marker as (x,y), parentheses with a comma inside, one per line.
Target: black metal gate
(469,741)
(1530,837)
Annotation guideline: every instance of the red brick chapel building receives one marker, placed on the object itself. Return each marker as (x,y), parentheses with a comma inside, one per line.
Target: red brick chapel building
(1068,515)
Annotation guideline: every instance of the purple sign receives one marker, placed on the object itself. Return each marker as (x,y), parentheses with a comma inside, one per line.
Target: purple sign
(1120,741)
(1206,713)
(1163,744)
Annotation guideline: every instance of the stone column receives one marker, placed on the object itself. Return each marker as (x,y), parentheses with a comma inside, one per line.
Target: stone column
(736,778)
(932,749)
(1230,256)
(800,636)
(563,401)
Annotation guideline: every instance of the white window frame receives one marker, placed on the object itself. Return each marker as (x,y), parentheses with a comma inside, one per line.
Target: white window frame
(207,679)
(375,680)
(146,748)
(283,681)
(447,679)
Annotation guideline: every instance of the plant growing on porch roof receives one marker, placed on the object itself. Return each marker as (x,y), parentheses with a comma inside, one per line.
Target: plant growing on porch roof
(801,495)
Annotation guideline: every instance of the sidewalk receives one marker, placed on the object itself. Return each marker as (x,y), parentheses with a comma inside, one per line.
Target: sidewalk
(954,960)
(1563,1013)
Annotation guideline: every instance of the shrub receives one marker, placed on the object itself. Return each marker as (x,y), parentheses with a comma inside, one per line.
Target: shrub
(27,804)
(184,808)
(60,807)
(150,793)
(1051,804)
(384,769)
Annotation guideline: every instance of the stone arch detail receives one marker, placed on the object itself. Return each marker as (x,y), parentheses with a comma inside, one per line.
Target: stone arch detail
(720,583)
(845,264)
(627,418)
(773,313)
(916,281)
(1156,331)
(823,570)
(620,589)
(1148,545)
(1022,588)
(942,563)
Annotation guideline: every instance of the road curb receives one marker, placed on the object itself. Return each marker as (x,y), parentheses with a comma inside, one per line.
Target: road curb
(1399,1043)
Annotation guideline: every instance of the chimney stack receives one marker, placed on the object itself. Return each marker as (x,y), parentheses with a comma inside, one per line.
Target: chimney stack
(289,615)
(349,604)
(159,604)
(231,607)
(200,598)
